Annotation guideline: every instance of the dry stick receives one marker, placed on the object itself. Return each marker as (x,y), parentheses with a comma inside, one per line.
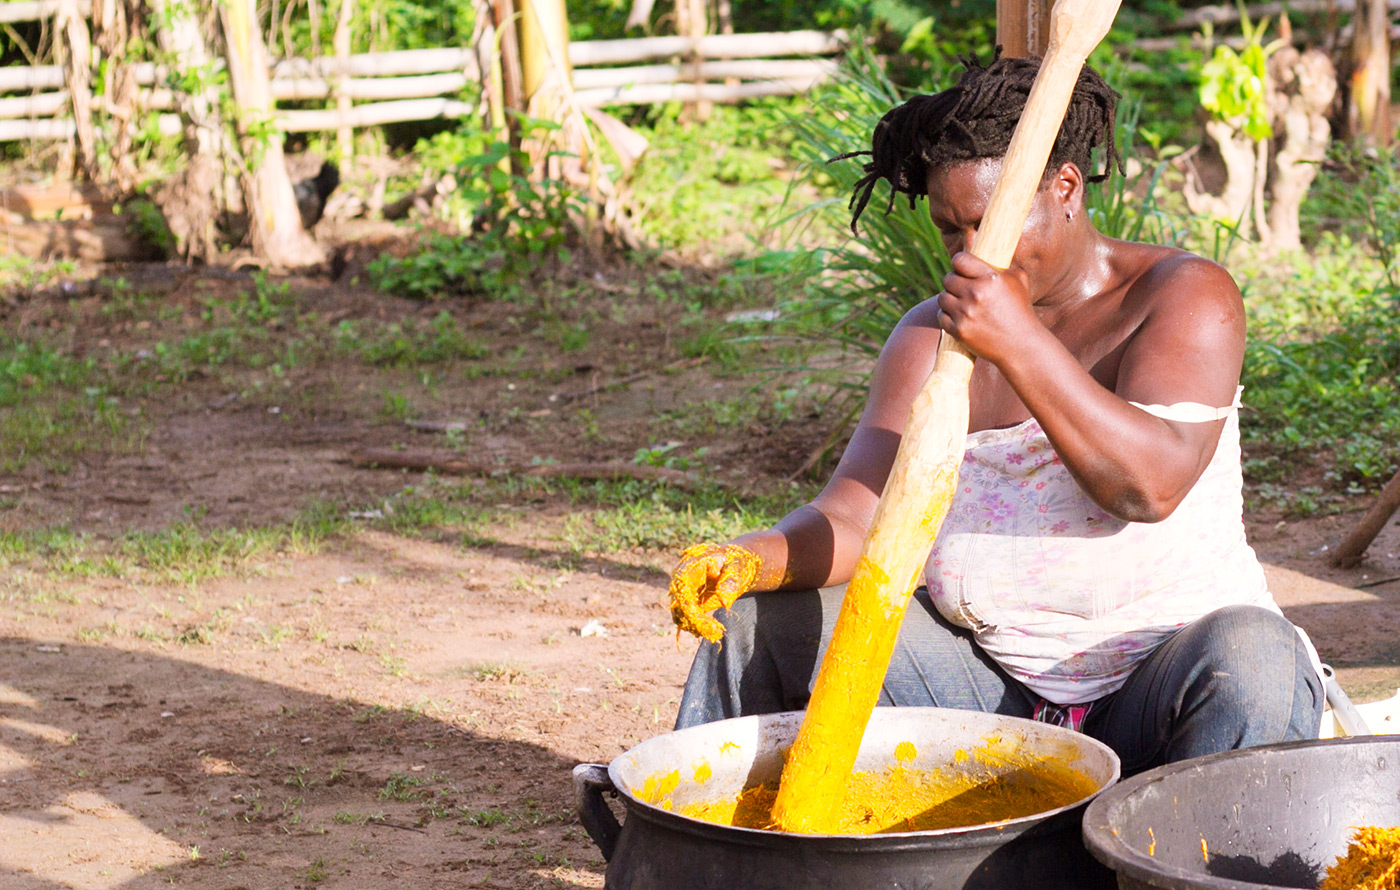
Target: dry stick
(925,472)
(1354,547)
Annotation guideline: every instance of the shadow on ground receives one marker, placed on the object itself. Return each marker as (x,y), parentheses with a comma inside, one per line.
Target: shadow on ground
(131,770)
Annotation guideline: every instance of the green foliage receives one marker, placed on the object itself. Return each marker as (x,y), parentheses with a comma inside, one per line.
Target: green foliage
(1125,205)
(1232,84)
(521,227)
(713,184)
(1359,199)
(1332,392)
(867,283)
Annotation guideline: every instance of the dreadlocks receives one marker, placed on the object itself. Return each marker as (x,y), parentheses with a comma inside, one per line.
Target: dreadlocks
(974,119)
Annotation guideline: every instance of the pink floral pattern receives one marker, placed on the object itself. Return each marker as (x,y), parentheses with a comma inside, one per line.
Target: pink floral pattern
(1067,598)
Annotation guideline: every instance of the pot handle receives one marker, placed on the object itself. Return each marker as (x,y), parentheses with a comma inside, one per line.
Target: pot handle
(591,781)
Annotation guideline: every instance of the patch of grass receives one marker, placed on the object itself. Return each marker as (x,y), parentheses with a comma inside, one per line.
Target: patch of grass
(409,344)
(488,818)
(345,817)
(54,407)
(495,671)
(22,273)
(657,526)
(318,871)
(402,787)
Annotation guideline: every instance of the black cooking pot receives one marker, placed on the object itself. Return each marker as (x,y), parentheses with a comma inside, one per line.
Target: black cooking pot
(1275,816)
(655,848)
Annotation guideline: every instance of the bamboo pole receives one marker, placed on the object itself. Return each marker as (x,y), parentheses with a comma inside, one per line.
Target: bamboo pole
(727,46)
(372,88)
(1229,13)
(30,79)
(385,64)
(650,94)
(1021,27)
(802,71)
(36,10)
(42,105)
(508,53)
(345,134)
(925,472)
(372,115)
(46,130)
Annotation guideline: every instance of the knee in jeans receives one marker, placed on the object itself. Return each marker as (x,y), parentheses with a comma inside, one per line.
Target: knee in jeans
(1252,650)
(1248,635)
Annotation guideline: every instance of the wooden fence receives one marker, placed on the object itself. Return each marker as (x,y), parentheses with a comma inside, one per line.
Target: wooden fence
(424,84)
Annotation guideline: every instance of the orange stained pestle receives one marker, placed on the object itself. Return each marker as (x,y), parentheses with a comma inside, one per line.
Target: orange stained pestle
(1372,861)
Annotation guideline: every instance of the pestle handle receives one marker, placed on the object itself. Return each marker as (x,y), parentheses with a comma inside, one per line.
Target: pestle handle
(925,472)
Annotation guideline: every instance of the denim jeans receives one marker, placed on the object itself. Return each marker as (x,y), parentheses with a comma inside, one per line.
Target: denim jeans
(1235,678)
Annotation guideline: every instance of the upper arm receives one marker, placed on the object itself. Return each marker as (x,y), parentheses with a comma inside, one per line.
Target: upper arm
(1189,347)
(904,364)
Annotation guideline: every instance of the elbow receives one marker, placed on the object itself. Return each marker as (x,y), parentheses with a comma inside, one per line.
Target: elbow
(1143,505)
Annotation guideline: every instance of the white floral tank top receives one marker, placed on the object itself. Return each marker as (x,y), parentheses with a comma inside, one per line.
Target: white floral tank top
(1066,598)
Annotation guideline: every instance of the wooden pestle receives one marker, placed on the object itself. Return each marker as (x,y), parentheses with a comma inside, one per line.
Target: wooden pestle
(925,472)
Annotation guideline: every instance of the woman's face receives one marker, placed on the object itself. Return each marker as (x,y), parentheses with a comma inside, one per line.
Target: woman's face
(958,195)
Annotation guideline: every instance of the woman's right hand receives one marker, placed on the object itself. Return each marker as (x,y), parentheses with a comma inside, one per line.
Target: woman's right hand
(710,577)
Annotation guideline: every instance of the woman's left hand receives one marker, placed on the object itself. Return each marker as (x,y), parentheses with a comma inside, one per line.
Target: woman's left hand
(987,308)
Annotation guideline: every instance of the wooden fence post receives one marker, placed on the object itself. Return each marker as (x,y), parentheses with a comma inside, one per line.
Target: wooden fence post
(1023,27)
(1369,109)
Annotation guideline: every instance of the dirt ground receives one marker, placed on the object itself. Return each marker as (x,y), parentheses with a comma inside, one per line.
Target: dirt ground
(390,707)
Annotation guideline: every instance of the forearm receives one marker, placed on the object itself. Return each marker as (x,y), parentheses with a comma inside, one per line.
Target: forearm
(806,549)
(1136,466)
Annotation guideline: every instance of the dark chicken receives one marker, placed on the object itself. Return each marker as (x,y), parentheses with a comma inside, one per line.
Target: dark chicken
(311,194)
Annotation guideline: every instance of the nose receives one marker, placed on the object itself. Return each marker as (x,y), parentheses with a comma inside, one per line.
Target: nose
(959,240)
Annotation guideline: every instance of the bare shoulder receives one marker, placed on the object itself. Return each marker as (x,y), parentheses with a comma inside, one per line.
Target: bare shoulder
(1188,344)
(1179,282)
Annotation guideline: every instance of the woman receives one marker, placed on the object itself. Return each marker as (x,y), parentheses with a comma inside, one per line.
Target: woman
(1092,570)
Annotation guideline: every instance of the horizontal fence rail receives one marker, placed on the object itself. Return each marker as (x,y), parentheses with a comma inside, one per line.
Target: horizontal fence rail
(424,84)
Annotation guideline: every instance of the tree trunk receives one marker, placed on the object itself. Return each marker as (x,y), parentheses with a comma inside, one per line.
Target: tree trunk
(112,24)
(75,46)
(1233,204)
(548,85)
(1304,86)
(274,223)
(508,46)
(193,200)
(1369,111)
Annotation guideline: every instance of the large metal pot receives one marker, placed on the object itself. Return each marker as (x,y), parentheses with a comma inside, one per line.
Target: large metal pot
(1274,816)
(655,848)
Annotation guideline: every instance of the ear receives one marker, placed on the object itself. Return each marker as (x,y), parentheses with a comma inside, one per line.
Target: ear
(1067,187)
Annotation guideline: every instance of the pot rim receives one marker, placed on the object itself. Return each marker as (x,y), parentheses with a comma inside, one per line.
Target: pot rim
(969,835)
(1107,847)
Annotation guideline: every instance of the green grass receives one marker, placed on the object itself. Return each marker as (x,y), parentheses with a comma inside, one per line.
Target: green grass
(408,344)
(185,552)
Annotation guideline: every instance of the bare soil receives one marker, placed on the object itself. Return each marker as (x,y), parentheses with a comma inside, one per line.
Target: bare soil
(395,708)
